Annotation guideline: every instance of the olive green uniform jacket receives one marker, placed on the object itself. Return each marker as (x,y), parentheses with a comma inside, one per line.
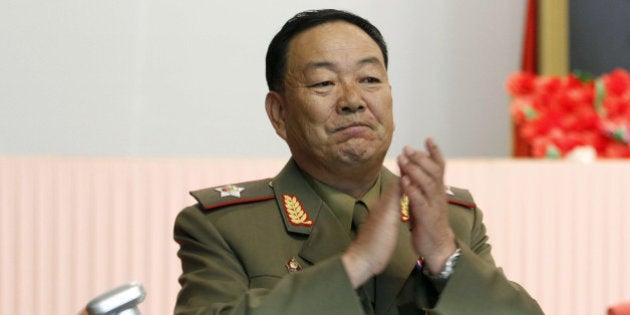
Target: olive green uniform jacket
(235,254)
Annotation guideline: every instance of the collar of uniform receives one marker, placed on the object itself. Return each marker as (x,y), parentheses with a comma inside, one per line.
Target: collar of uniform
(311,193)
(331,195)
(291,182)
(339,202)
(342,204)
(326,236)
(374,194)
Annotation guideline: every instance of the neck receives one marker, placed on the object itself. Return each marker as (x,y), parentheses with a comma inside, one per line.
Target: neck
(355,181)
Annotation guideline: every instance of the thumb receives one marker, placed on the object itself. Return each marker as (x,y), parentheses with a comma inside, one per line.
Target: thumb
(387,209)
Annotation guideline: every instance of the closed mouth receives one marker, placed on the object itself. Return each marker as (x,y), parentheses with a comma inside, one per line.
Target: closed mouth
(356,124)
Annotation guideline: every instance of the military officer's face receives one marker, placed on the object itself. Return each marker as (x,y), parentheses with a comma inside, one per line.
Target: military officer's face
(336,105)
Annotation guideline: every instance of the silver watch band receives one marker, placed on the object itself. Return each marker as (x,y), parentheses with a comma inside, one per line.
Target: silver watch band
(448,267)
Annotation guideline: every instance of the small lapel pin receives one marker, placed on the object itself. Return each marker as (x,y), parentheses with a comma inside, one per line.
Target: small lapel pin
(293,265)
(230,190)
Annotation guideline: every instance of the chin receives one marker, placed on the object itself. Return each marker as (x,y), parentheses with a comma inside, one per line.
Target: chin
(360,156)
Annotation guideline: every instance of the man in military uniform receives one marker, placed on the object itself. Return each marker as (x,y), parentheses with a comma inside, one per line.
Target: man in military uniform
(335,232)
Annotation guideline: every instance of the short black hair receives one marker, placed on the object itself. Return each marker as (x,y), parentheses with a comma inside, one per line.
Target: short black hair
(276,61)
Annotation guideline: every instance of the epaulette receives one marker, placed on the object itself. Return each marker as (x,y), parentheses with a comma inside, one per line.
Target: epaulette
(460,197)
(227,195)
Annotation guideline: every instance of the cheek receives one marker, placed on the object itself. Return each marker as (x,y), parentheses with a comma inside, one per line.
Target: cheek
(313,111)
(309,129)
(301,123)
(383,110)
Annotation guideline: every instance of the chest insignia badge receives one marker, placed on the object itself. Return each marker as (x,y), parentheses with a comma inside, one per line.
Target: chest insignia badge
(293,265)
(230,190)
(404,208)
(295,211)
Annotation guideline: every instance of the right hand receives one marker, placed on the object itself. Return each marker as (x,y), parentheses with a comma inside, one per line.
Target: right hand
(375,243)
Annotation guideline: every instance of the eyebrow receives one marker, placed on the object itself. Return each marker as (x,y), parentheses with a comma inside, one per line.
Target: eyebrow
(332,66)
(369,60)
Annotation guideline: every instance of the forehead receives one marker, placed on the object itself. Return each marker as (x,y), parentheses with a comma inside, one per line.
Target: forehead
(329,42)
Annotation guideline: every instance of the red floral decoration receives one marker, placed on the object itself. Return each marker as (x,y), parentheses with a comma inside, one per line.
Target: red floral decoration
(555,115)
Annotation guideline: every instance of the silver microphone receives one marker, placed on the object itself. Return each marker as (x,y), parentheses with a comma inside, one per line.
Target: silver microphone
(122,300)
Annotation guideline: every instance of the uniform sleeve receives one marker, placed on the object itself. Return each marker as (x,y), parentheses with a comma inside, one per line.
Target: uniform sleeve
(477,286)
(213,280)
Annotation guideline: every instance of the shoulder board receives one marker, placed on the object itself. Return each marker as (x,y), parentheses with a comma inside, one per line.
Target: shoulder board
(460,197)
(234,194)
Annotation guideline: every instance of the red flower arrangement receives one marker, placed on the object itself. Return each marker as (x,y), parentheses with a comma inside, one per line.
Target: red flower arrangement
(555,115)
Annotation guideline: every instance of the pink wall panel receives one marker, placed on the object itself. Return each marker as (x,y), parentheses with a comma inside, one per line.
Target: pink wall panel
(72,228)
(558,228)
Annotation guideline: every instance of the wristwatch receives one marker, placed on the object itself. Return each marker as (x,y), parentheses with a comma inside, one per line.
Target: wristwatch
(448,267)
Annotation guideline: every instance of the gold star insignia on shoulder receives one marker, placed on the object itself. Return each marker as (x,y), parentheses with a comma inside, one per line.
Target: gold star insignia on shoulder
(293,265)
(448,191)
(230,190)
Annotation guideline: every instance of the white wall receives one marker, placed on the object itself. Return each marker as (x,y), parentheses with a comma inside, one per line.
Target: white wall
(186,78)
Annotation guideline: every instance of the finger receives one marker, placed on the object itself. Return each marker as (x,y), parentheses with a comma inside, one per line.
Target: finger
(426,176)
(390,200)
(418,206)
(392,193)
(377,238)
(414,156)
(417,198)
(424,161)
(416,179)
(384,214)
(435,152)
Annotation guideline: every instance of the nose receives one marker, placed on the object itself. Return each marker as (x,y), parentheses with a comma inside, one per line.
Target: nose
(350,100)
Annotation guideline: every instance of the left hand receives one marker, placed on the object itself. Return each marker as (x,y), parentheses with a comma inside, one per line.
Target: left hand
(422,180)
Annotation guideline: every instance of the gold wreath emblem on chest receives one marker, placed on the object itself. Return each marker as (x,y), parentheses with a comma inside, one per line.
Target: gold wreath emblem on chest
(295,211)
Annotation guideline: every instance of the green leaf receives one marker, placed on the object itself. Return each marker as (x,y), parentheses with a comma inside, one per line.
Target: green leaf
(583,76)
(553,152)
(620,134)
(530,113)
(600,94)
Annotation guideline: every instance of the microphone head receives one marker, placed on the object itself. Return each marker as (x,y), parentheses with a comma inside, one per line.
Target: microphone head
(118,301)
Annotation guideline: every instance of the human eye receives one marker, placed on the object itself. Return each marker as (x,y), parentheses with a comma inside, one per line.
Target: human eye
(370,80)
(321,84)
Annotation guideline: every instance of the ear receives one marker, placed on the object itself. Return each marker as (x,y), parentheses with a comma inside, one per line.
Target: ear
(276,111)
